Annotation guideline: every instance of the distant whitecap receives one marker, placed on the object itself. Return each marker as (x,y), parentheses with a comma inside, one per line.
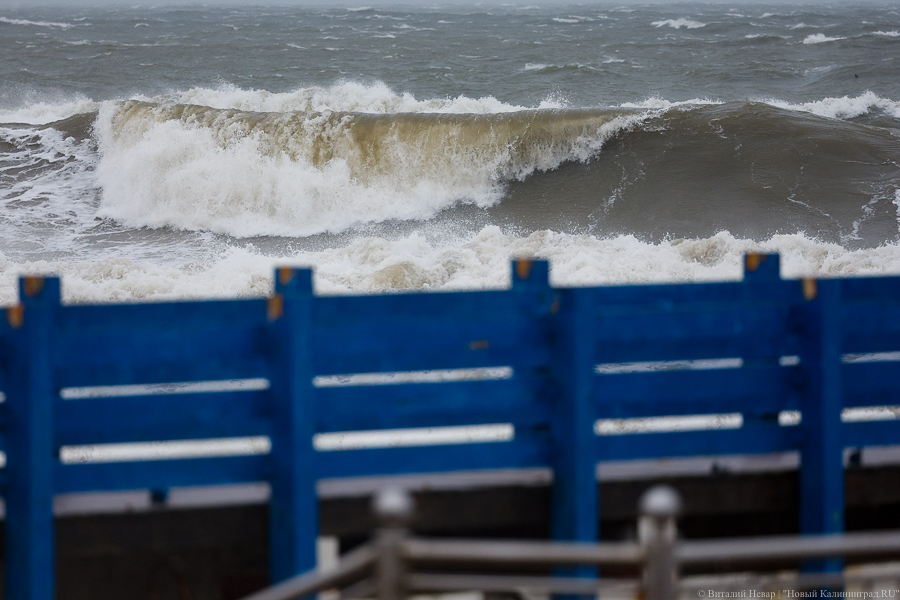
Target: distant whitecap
(679,23)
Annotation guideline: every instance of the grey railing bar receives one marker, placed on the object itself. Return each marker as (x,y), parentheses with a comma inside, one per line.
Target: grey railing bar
(771,548)
(364,588)
(354,565)
(504,552)
(451,582)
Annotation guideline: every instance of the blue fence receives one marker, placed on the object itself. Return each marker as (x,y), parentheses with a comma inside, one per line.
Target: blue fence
(569,359)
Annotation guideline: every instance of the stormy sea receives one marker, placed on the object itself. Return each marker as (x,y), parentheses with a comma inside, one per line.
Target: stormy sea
(162,153)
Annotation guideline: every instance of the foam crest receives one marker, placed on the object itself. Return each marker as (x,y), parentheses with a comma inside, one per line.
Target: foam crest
(820,38)
(679,23)
(845,107)
(301,173)
(40,112)
(346,96)
(26,22)
(480,261)
(660,104)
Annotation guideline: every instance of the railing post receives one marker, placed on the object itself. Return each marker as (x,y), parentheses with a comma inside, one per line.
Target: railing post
(293,509)
(31,456)
(393,509)
(821,457)
(657,531)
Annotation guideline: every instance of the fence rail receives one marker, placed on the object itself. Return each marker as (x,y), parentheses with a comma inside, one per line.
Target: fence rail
(563,371)
(395,564)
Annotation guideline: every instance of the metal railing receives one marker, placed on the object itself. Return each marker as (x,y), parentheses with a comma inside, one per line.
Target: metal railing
(396,564)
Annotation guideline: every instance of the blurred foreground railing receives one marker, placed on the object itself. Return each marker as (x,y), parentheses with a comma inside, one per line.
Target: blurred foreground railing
(396,564)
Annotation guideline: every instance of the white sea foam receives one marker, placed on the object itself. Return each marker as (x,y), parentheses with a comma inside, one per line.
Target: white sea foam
(47,188)
(893,33)
(679,23)
(35,23)
(821,38)
(845,107)
(897,204)
(572,19)
(480,261)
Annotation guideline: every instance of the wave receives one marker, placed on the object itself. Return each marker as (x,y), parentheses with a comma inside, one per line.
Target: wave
(301,173)
(655,169)
(682,170)
(752,169)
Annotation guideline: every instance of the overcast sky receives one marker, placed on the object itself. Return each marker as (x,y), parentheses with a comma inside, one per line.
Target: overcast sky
(338,3)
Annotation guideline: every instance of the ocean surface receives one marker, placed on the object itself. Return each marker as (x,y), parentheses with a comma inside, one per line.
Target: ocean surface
(161,153)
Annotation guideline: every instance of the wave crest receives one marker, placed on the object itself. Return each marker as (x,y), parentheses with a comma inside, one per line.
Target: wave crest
(346,96)
(845,107)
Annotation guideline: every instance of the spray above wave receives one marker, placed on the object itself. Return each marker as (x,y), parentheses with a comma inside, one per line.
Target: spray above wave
(299,173)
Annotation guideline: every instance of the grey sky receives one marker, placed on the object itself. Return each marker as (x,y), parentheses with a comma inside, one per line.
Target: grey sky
(150,3)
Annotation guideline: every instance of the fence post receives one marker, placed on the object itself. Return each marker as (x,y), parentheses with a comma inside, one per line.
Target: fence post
(293,509)
(574,508)
(393,509)
(574,496)
(821,459)
(657,532)
(31,455)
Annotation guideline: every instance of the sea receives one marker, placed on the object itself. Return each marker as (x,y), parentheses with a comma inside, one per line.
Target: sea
(154,153)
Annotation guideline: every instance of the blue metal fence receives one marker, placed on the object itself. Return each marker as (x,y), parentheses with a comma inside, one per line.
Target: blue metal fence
(571,358)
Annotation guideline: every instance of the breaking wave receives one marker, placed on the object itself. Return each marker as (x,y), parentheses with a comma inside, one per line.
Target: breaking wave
(299,173)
